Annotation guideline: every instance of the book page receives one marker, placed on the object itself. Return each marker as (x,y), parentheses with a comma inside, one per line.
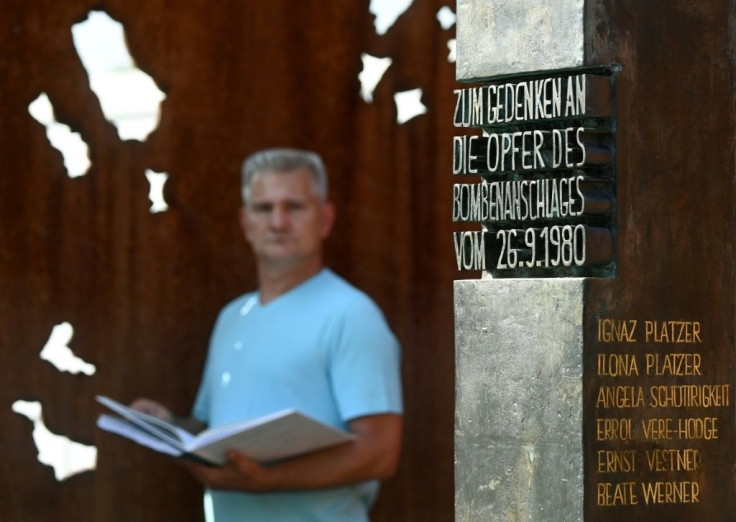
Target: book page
(282,435)
(174,435)
(130,431)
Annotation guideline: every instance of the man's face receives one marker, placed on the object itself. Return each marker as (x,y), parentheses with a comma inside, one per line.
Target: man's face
(284,220)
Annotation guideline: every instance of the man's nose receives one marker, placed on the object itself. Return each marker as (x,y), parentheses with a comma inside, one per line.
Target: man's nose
(279,217)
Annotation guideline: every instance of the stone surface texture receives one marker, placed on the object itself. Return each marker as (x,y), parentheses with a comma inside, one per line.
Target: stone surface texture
(498,37)
(519,343)
(518,420)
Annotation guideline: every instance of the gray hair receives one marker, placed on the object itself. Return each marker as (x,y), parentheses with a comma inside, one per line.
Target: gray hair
(282,160)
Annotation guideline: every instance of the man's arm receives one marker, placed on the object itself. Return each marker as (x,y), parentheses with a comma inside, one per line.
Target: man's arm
(373,454)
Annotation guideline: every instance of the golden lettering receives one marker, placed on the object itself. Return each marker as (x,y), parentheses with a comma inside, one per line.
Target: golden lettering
(678,332)
(617,331)
(623,461)
(620,494)
(670,492)
(672,460)
(661,393)
(657,429)
(698,428)
(617,365)
(613,429)
(680,364)
(620,397)
(690,396)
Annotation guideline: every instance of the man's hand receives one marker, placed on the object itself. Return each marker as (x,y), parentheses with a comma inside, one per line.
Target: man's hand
(158,410)
(238,473)
(373,454)
(153,408)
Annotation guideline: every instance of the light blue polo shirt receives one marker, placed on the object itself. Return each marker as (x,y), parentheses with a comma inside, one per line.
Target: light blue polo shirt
(323,348)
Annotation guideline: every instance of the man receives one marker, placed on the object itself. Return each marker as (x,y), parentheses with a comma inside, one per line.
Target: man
(306,340)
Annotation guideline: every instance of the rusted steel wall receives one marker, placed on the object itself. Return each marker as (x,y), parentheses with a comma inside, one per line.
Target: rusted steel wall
(675,173)
(142,290)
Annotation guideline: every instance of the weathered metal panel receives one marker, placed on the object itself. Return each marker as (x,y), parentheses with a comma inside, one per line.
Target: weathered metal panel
(676,144)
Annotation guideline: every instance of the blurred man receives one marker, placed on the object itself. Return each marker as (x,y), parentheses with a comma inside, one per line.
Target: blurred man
(306,339)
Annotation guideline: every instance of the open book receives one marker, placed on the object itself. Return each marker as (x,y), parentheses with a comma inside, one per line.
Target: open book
(280,435)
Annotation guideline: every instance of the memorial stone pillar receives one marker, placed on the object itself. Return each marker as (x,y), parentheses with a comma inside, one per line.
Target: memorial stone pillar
(594,165)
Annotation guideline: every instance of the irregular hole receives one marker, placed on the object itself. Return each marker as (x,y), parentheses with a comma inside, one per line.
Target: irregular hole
(409,105)
(73,149)
(57,351)
(157,180)
(446,17)
(452,48)
(387,12)
(130,99)
(373,70)
(67,457)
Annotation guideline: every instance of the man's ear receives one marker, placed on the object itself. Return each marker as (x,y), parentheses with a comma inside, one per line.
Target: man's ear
(328,218)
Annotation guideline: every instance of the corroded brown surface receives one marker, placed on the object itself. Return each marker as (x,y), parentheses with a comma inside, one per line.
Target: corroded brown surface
(675,207)
(142,290)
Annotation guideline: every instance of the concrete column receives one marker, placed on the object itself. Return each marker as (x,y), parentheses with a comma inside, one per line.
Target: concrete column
(519,343)
(518,422)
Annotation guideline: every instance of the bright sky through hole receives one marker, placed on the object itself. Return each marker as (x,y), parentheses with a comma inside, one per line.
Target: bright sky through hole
(387,12)
(129,98)
(157,180)
(57,351)
(73,149)
(446,17)
(409,105)
(373,70)
(66,456)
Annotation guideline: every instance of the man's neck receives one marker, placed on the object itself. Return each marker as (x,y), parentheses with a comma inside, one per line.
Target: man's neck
(277,280)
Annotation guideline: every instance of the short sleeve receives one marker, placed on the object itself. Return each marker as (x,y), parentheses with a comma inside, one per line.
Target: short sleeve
(365,363)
